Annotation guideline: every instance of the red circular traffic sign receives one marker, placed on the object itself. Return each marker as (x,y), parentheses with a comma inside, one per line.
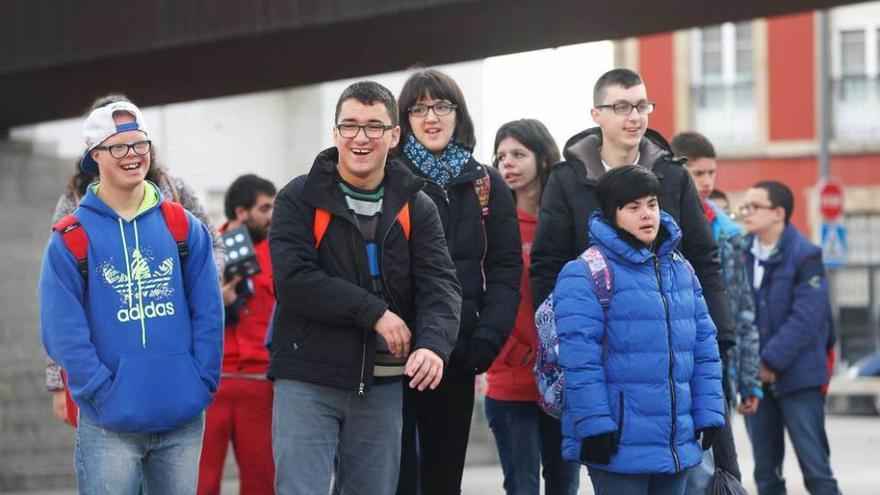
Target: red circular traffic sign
(831,201)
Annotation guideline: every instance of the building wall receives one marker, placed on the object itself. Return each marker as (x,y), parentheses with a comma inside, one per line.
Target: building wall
(786,116)
(791,76)
(655,53)
(35,449)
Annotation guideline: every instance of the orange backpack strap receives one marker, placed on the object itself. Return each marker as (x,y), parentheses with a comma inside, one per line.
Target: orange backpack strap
(178,225)
(322,221)
(77,242)
(403,219)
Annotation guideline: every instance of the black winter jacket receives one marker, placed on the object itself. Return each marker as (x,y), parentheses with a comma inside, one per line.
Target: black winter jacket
(570,197)
(325,317)
(490,290)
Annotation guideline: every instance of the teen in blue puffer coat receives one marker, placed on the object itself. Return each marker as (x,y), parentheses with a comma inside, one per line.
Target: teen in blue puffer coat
(643,377)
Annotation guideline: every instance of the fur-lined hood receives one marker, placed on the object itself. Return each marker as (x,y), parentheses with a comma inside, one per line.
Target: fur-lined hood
(584,148)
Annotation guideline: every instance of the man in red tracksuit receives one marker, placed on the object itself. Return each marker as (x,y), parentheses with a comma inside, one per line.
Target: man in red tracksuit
(242,408)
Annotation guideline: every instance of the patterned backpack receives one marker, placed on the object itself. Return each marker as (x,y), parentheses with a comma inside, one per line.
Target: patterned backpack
(549,376)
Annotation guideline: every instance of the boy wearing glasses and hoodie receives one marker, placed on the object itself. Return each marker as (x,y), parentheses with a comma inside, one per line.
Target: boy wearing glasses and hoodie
(137,323)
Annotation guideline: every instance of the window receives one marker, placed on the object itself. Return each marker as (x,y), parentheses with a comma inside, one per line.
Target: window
(853,70)
(855,88)
(723,91)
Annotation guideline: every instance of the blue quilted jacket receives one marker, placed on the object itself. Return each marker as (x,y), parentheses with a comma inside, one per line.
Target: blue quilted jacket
(648,368)
(793,313)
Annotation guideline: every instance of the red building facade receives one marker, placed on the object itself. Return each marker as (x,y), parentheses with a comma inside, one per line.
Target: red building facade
(752,89)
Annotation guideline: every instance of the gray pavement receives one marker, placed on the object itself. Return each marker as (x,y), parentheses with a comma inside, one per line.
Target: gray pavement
(855,457)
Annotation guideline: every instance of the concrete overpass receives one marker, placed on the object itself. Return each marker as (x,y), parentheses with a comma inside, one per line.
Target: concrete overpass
(55,55)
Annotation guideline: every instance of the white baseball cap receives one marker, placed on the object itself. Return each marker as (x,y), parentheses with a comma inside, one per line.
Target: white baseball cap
(99,126)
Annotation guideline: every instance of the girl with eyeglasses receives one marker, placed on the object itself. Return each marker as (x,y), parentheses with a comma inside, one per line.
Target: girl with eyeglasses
(482,235)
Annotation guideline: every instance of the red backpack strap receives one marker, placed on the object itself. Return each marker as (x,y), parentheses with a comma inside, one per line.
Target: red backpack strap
(178,225)
(71,405)
(322,221)
(403,219)
(76,240)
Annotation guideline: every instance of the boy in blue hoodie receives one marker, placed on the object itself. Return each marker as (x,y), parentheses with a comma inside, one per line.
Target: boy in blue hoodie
(139,330)
(642,375)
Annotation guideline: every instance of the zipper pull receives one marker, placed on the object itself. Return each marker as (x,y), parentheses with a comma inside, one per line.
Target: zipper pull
(361,390)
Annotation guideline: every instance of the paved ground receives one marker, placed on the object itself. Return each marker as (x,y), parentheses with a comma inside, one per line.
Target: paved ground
(855,458)
(855,447)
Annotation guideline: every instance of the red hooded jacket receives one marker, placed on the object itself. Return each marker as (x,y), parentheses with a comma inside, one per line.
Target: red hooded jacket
(512,375)
(243,349)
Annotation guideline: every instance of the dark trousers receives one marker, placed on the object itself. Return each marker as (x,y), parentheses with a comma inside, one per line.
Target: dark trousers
(527,440)
(801,413)
(436,427)
(608,483)
(724,448)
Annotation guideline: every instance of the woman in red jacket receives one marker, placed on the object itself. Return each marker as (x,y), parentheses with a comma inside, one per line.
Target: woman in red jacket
(526,437)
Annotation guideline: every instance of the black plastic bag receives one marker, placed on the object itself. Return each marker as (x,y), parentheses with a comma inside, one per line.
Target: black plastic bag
(723,483)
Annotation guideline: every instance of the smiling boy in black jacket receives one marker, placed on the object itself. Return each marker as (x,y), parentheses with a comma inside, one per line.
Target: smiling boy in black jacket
(362,275)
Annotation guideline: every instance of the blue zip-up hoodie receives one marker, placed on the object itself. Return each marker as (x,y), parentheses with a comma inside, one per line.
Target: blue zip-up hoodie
(142,341)
(646,368)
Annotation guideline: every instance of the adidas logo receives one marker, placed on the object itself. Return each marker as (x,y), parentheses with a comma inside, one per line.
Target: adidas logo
(151,310)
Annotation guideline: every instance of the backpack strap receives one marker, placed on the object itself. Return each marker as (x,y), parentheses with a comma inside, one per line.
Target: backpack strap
(403,219)
(483,188)
(76,240)
(322,222)
(178,225)
(600,273)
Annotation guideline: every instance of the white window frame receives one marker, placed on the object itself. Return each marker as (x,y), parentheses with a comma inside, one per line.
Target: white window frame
(855,120)
(731,124)
(870,30)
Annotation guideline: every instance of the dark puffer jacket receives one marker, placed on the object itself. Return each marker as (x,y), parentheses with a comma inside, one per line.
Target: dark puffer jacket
(570,197)
(793,313)
(490,289)
(325,317)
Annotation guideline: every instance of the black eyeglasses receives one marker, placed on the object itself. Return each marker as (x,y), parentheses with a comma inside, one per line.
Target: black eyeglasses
(644,107)
(749,208)
(120,150)
(372,131)
(440,109)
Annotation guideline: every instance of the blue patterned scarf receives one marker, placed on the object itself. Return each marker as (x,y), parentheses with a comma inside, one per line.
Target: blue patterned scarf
(441,170)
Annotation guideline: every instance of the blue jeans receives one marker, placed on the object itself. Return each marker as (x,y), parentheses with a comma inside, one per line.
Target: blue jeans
(527,438)
(108,461)
(316,428)
(608,483)
(801,413)
(700,475)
